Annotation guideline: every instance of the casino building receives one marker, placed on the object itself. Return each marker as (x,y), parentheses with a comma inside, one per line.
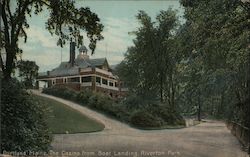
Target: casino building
(84,73)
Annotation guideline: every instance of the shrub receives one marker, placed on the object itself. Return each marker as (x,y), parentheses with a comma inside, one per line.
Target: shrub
(154,114)
(132,102)
(169,115)
(145,119)
(62,92)
(95,101)
(83,97)
(180,122)
(119,111)
(23,123)
(100,102)
(106,105)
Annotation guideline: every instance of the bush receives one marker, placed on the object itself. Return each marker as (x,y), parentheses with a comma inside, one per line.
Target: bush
(134,102)
(154,114)
(103,103)
(169,115)
(106,105)
(62,92)
(97,101)
(83,97)
(145,119)
(119,111)
(23,123)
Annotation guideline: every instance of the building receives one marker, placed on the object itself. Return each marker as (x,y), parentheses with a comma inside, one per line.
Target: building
(83,73)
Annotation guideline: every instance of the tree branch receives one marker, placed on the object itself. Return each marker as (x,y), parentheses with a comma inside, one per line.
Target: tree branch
(10,14)
(43,2)
(1,62)
(24,34)
(6,27)
(21,15)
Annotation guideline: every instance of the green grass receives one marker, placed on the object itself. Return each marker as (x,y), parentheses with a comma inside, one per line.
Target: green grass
(62,119)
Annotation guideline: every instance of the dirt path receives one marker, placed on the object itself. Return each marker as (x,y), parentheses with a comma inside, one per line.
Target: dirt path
(209,139)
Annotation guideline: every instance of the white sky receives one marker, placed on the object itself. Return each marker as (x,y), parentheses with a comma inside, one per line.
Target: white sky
(118,18)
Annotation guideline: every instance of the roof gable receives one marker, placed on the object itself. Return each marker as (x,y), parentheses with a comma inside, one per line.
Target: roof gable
(65,68)
(97,61)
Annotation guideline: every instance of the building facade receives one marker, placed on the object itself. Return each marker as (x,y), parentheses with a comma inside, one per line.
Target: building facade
(83,73)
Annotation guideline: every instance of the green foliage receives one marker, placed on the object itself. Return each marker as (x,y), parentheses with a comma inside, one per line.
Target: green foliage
(63,92)
(149,67)
(28,71)
(23,123)
(169,115)
(96,101)
(123,110)
(215,74)
(106,105)
(99,101)
(145,119)
(83,97)
(201,67)
(135,102)
(65,21)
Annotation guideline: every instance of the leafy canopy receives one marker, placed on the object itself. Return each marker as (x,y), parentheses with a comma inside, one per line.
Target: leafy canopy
(218,31)
(149,67)
(65,21)
(28,71)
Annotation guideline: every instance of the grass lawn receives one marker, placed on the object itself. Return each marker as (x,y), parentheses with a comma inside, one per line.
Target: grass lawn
(63,119)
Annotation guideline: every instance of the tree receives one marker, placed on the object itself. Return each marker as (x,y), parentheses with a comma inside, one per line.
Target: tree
(219,31)
(150,66)
(28,71)
(65,20)
(23,124)
(23,121)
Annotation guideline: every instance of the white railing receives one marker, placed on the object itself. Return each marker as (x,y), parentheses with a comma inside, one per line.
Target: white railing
(86,84)
(107,87)
(103,71)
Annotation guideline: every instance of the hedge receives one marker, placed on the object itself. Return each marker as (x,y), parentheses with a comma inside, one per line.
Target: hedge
(145,114)
(145,119)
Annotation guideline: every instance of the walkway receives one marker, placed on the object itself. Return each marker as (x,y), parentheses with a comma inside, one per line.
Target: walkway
(209,139)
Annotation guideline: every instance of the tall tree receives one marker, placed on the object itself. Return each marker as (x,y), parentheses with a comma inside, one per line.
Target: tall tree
(28,71)
(150,66)
(218,29)
(65,20)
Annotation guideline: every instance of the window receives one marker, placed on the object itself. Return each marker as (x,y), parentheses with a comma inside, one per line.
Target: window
(87,79)
(98,80)
(53,82)
(104,81)
(116,84)
(111,84)
(59,81)
(74,79)
(65,80)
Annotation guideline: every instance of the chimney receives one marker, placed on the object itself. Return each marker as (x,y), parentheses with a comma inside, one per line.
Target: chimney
(72,53)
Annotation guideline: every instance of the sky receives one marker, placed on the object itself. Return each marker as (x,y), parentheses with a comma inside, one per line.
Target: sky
(118,18)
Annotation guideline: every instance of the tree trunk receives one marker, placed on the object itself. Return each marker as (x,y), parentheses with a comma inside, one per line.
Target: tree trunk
(199,107)
(161,87)
(10,55)
(220,108)
(173,92)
